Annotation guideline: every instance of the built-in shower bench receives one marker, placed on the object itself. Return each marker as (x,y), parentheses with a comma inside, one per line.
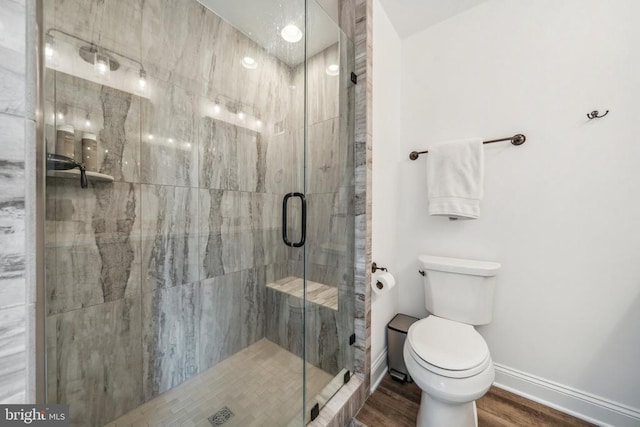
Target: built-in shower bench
(317,293)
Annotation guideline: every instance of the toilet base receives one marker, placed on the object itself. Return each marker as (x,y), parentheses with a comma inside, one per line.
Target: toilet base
(434,413)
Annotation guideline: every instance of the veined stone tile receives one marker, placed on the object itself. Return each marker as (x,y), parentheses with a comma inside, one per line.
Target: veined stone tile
(12,17)
(12,212)
(295,115)
(12,354)
(323,89)
(185,44)
(12,81)
(268,246)
(226,241)
(282,164)
(170,320)
(171,35)
(230,157)
(231,315)
(169,144)
(262,92)
(284,321)
(323,157)
(95,361)
(94,254)
(252,313)
(12,153)
(12,54)
(329,231)
(120,135)
(346,131)
(169,236)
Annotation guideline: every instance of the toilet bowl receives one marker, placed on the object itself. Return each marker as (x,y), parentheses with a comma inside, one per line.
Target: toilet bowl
(450,362)
(444,354)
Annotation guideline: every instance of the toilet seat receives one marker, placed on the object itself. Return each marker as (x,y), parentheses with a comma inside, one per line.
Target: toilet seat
(448,348)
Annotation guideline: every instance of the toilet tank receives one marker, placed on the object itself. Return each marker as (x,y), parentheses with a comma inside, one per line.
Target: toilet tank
(459,289)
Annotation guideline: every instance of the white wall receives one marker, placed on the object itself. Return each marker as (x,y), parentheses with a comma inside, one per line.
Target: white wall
(386,123)
(561,212)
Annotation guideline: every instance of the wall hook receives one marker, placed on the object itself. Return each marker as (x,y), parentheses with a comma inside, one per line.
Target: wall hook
(594,115)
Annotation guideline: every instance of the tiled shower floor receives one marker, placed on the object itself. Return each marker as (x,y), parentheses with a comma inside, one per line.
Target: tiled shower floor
(261,385)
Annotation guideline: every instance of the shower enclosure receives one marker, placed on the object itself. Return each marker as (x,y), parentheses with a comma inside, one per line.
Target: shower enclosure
(205,275)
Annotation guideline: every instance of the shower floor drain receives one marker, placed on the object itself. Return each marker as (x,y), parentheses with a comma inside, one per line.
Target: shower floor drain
(220,417)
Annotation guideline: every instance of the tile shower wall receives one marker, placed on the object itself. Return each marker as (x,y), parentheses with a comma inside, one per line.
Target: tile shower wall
(161,274)
(15,121)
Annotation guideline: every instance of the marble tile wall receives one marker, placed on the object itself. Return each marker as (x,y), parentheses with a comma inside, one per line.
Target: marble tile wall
(93,361)
(16,119)
(362,30)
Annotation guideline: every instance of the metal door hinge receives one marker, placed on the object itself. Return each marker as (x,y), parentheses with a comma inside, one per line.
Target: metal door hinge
(352,339)
(354,78)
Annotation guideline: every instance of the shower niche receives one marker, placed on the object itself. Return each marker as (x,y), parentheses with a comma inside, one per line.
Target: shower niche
(171,294)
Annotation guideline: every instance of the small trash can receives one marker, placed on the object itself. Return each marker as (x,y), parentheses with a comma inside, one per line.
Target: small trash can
(396,334)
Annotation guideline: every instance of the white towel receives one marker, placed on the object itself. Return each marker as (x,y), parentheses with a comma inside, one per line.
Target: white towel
(455,171)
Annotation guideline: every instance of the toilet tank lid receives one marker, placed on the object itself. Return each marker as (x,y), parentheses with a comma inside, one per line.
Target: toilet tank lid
(458,265)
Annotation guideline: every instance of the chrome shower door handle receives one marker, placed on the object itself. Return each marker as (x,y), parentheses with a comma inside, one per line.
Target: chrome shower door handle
(303,237)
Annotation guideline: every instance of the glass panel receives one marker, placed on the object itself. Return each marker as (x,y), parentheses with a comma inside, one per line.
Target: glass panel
(330,197)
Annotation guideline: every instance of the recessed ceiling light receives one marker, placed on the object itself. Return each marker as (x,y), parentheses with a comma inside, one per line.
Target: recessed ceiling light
(249,62)
(333,70)
(291,33)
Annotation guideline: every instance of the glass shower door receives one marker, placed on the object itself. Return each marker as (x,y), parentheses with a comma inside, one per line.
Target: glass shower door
(329,187)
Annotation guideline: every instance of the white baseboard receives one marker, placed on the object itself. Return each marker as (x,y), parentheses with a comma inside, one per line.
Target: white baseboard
(588,407)
(378,370)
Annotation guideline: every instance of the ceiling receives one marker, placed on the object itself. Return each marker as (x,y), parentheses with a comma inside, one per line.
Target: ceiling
(411,16)
(262,21)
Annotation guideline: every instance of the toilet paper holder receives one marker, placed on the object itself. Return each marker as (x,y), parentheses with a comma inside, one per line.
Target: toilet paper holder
(374,268)
(381,282)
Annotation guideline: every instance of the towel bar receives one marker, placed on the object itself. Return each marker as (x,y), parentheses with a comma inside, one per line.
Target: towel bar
(518,139)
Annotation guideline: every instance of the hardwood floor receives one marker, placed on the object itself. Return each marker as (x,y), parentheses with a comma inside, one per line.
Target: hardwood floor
(395,404)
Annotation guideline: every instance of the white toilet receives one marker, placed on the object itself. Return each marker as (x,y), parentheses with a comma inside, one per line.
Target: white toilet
(446,357)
